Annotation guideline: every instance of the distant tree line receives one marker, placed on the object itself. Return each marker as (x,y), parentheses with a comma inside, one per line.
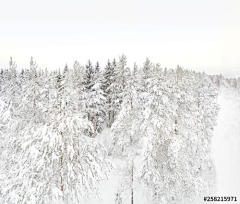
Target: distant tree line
(222,81)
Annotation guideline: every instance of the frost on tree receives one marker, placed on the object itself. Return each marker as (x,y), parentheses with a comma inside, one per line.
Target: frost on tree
(165,118)
(95,97)
(126,135)
(51,156)
(117,86)
(10,115)
(108,79)
(176,157)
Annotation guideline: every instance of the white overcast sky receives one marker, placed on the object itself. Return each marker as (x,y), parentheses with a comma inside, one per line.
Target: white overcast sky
(202,35)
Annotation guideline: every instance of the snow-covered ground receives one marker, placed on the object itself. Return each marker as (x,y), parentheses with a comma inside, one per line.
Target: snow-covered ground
(226,145)
(226,152)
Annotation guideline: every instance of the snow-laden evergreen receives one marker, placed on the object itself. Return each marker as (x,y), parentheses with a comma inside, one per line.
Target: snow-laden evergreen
(108,76)
(126,134)
(95,98)
(176,159)
(161,123)
(48,152)
(177,163)
(118,83)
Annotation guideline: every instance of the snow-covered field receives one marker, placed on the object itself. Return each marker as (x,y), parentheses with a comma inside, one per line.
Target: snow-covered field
(226,152)
(226,145)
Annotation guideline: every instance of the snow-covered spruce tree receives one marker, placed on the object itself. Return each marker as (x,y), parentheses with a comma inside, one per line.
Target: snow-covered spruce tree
(88,83)
(117,86)
(125,134)
(114,92)
(95,98)
(108,75)
(100,99)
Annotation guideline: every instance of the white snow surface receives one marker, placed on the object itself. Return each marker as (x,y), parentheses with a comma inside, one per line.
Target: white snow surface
(226,145)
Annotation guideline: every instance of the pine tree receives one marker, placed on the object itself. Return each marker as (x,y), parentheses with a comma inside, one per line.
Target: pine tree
(158,125)
(11,123)
(49,121)
(126,135)
(174,139)
(208,111)
(58,160)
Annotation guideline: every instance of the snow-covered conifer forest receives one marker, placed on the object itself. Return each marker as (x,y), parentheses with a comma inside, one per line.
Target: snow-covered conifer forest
(114,134)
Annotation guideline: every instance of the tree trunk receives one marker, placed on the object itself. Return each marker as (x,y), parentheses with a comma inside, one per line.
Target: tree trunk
(113,117)
(175,126)
(177,109)
(34,101)
(94,123)
(61,172)
(132,161)
(62,155)
(123,77)
(132,183)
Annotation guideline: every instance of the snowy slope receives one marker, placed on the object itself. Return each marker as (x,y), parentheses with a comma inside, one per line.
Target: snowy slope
(226,145)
